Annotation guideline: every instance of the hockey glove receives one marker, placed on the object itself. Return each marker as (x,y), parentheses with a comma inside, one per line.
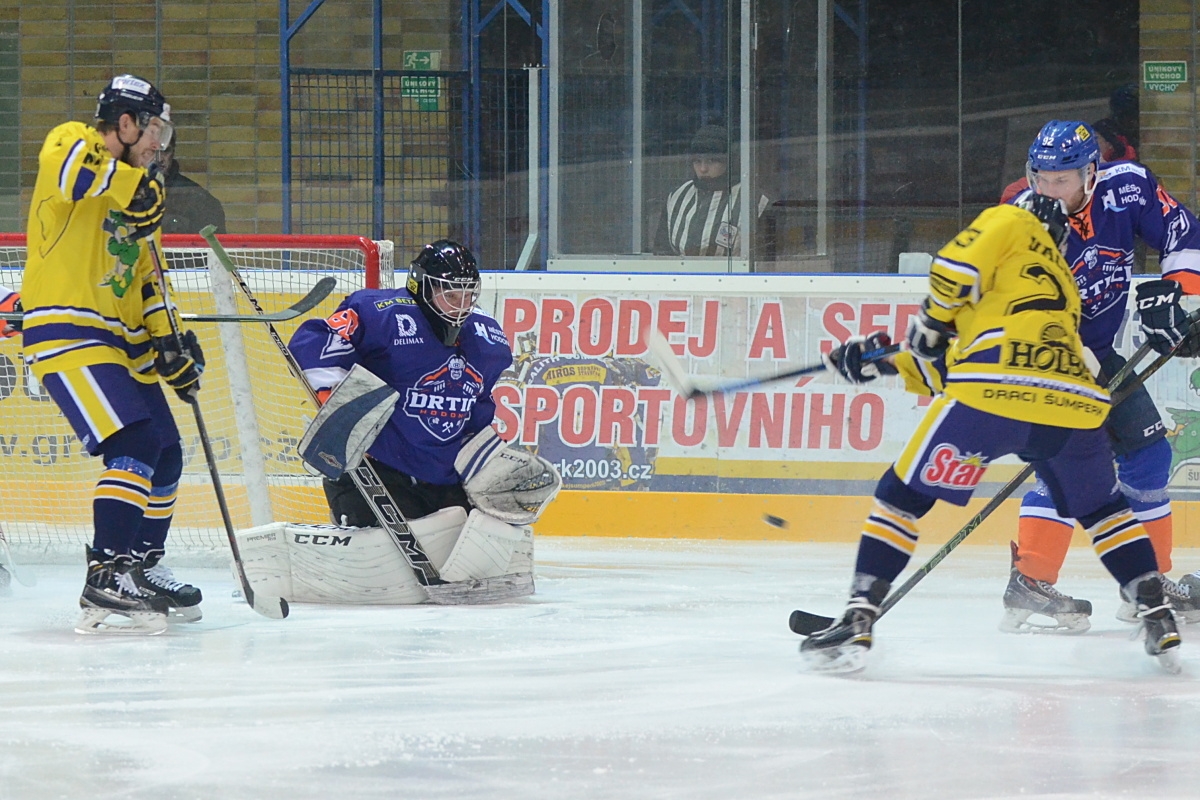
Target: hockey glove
(847,360)
(927,338)
(181,371)
(1164,322)
(12,303)
(144,214)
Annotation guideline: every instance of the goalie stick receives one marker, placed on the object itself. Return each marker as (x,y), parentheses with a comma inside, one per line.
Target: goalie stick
(273,607)
(305,304)
(376,494)
(806,624)
(672,368)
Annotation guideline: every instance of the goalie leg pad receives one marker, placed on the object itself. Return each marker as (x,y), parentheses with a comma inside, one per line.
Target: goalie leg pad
(438,532)
(484,549)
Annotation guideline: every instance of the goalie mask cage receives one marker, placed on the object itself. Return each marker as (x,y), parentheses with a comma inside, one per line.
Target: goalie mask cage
(255,410)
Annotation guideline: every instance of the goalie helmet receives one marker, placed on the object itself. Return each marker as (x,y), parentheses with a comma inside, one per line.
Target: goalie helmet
(445,282)
(129,94)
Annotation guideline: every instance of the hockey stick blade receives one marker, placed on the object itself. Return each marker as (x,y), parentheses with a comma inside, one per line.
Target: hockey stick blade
(268,606)
(807,624)
(315,295)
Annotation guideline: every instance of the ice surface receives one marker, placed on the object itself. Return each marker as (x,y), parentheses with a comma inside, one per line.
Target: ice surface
(639,670)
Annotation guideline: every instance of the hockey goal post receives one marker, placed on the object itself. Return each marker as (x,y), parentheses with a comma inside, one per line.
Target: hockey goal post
(253,407)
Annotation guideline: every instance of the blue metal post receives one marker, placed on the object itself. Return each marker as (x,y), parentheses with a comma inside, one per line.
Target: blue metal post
(286,32)
(378,172)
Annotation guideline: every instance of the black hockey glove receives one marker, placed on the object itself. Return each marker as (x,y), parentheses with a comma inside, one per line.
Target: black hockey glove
(847,360)
(181,371)
(144,214)
(1164,322)
(927,338)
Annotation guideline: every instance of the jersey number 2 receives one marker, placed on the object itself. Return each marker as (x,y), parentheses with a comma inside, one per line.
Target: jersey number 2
(1055,302)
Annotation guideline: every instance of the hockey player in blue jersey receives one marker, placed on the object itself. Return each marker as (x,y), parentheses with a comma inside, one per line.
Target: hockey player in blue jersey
(1109,207)
(442,356)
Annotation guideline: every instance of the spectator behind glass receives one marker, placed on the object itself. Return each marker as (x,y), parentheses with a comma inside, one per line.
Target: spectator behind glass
(1114,146)
(702,215)
(189,206)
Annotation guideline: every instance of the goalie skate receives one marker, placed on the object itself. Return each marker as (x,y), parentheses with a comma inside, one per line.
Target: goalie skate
(109,591)
(156,578)
(1025,597)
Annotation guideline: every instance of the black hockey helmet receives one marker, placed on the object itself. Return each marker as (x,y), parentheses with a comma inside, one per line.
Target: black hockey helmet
(129,94)
(1052,213)
(444,280)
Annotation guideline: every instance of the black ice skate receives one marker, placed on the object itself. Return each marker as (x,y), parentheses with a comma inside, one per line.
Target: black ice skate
(110,589)
(1161,636)
(1025,597)
(843,646)
(1184,598)
(158,579)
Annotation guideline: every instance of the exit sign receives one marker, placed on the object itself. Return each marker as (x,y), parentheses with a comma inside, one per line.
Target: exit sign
(1163,76)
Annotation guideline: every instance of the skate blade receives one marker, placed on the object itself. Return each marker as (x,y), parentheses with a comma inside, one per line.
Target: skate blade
(140,623)
(185,614)
(1170,660)
(844,660)
(1017,621)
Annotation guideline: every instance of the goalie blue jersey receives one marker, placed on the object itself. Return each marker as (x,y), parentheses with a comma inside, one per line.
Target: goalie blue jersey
(1127,202)
(445,392)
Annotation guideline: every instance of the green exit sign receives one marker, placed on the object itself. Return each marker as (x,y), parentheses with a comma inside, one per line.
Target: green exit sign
(1163,76)
(426,90)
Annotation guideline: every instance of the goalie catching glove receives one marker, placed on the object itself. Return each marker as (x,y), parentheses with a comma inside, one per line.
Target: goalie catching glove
(181,370)
(1164,322)
(508,483)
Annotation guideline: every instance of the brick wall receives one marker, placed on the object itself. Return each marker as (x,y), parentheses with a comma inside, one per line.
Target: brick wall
(218,64)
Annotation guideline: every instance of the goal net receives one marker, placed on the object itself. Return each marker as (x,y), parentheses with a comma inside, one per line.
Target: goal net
(255,411)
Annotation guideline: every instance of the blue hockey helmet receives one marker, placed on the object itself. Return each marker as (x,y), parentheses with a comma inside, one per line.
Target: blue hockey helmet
(1060,146)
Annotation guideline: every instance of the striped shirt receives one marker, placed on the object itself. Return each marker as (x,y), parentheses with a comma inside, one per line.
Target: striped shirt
(700,222)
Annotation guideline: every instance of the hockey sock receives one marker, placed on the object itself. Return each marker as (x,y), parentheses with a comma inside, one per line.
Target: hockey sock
(1162,537)
(1143,475)
(120,501)
(889,538)
(159,511)
(1120,541)
(1042,544)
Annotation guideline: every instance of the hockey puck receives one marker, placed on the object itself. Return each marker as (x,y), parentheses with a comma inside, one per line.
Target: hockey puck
(774,521)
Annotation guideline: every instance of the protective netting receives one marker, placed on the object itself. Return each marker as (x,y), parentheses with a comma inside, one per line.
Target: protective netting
(48,478)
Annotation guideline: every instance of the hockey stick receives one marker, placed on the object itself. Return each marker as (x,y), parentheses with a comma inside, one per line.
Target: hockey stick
(806,624)
(660,352)
(374,492)
(268,606)
(23,578)
(310,301)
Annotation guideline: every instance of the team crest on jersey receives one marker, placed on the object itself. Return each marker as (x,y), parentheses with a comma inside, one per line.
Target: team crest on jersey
(120,275)
(442,400)
(406,330)
(1102,275)
(949,469)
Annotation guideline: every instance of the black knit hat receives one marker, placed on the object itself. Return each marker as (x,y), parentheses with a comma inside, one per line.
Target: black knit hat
(710,140)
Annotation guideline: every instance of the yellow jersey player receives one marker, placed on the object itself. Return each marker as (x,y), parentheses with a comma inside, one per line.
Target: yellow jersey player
(997,341)
(97,335)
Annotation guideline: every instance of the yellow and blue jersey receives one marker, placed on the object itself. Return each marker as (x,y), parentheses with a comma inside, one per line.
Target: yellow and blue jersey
(1005,288)
(89,293)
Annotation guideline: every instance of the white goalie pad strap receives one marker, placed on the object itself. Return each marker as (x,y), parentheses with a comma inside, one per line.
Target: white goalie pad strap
(336,440)
(506,482)
(484,549)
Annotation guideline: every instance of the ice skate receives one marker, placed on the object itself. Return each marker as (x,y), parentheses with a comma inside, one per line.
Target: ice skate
(157,578)
(1184,598)
(1024,597)
(1161,636)
(110,589)
(843,646)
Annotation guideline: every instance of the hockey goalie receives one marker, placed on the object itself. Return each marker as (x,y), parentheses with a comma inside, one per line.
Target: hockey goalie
(430,503)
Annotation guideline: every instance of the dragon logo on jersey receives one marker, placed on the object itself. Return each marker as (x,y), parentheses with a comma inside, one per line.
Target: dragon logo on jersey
(1102,275)
(442,400)
(952,470)
(120,276)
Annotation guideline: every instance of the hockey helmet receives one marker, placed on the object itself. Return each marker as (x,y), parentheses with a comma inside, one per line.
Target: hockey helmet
(1061,146)
(444,280)
(129,94)
(1052,213)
